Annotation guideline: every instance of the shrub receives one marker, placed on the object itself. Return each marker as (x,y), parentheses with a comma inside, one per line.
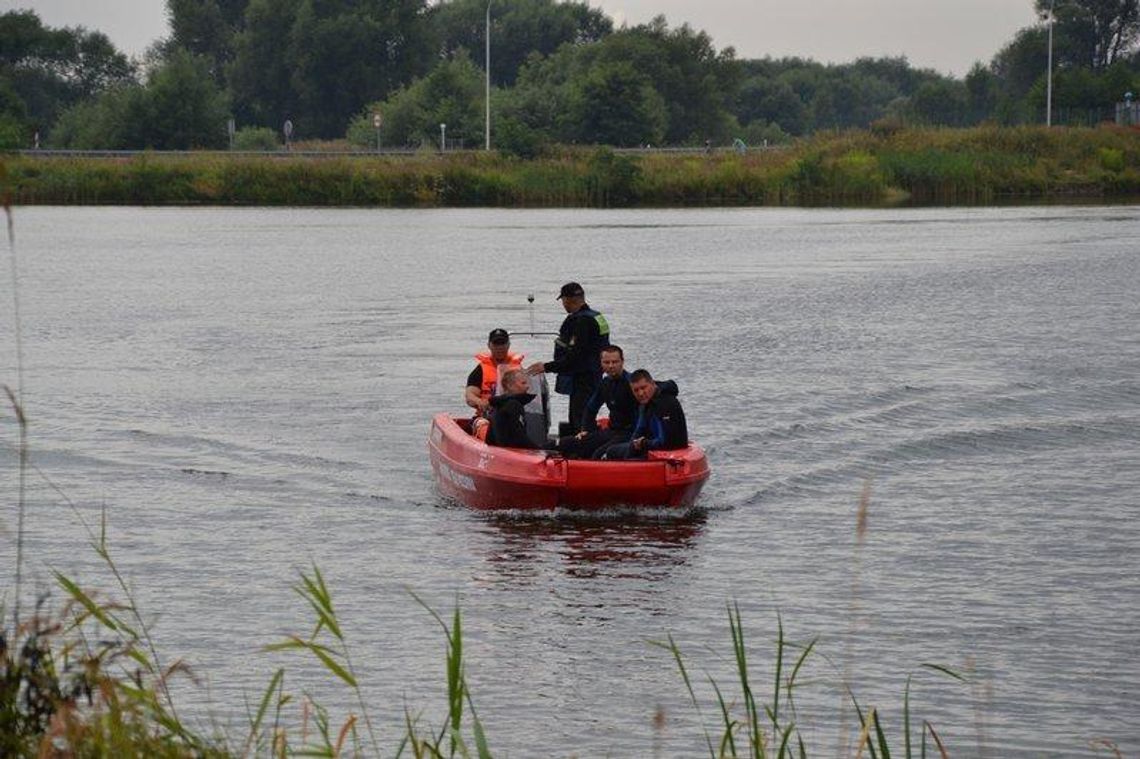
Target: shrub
(256,138)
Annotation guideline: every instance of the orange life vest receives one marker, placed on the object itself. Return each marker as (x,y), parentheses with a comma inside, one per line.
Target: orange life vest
(491,371)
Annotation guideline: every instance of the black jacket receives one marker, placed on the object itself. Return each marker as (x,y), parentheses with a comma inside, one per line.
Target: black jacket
(508,425)
(662,421)
(581,338)
(618,398)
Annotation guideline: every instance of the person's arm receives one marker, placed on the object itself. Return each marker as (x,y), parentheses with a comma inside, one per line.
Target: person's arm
(667,424)
(473,394)
(590,412)
(655,435)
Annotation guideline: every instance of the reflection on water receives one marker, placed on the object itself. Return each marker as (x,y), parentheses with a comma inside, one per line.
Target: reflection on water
(615,544)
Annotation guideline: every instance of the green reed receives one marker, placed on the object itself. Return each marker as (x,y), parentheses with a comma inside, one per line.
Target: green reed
(875,167)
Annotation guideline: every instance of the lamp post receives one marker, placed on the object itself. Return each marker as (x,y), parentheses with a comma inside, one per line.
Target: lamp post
(487,71)
(442,137)
(1049,72)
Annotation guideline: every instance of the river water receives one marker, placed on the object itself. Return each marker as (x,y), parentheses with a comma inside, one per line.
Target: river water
(247,392)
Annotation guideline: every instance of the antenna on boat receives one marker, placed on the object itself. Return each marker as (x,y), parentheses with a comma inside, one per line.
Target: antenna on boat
(532,333)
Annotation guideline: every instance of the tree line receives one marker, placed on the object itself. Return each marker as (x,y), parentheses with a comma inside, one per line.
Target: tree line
(560,73)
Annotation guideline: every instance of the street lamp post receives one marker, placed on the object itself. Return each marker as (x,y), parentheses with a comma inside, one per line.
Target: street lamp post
(1049,72)
(487,71)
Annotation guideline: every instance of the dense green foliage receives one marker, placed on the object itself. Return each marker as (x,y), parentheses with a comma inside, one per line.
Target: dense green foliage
(43,71)
(561,74)
(178,108)
(975,165)
(519,30)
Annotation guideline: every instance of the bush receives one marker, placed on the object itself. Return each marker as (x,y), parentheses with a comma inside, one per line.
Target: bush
(256,138)
(612,179)
(1111,159)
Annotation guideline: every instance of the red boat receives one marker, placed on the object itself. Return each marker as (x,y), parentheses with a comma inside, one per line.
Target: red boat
(475,474)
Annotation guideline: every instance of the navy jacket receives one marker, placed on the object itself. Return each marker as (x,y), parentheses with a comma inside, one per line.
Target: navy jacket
(662,421)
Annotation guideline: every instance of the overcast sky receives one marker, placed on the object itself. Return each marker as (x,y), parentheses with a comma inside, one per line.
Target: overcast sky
(946,36)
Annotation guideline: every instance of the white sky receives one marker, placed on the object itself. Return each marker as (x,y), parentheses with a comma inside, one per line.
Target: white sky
(946,36)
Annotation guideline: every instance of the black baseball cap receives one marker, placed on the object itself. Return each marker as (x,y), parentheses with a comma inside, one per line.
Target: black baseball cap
(570,290)
(499,336)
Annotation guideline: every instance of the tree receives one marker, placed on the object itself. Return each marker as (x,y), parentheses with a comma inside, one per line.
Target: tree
(451,94)
(945,103)
(771,101)
(1094,33)
(615,104)
(518,29)
(207,28)
(43,71)
(318,62)
(179,108)
(261,73)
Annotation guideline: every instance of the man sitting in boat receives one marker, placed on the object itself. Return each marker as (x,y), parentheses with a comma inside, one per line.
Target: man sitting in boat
(508,412)
(660,422)
(615,394)
(483,378)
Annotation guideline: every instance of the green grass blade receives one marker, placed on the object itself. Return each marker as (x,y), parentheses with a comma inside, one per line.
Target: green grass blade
(672,648)
(946,671)
(728,738)
(784,741)
(779,670)
(317,595)
(799,664)
(880,736)
(85,600)
(263,708)
(736,627)
(906,718)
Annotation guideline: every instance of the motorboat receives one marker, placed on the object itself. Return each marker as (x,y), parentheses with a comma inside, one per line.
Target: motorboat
(482,476)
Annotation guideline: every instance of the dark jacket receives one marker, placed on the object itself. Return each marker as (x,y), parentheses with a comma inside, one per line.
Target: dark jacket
(508,425)
(662,421)
(618,398)
(577,352)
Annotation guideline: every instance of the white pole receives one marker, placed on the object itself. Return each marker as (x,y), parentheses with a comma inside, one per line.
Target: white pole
(487,67)
(1049,73)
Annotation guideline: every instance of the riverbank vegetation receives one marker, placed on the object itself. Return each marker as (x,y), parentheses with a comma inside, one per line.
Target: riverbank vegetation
(885,165)
(561,73)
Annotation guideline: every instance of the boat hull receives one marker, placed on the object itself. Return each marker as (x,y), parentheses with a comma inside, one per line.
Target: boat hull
(487,477)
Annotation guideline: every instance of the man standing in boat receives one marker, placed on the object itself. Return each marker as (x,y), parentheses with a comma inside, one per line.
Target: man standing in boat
(483,378)
(577,352)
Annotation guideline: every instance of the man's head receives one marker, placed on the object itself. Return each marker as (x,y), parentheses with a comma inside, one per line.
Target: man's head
(613,361)
(572,296)
(643,386)
(499,342)
(515,381)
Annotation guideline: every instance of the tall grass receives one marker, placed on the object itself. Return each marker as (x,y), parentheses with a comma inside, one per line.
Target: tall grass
(759,731)
(975,165)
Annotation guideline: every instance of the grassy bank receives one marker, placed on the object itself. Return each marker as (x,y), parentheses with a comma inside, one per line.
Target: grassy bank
(877,167)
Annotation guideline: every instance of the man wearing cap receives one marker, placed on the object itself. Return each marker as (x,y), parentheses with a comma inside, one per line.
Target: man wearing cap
(482,380)
(577,352)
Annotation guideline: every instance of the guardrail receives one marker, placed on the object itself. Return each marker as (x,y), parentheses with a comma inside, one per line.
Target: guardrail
(397,152)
